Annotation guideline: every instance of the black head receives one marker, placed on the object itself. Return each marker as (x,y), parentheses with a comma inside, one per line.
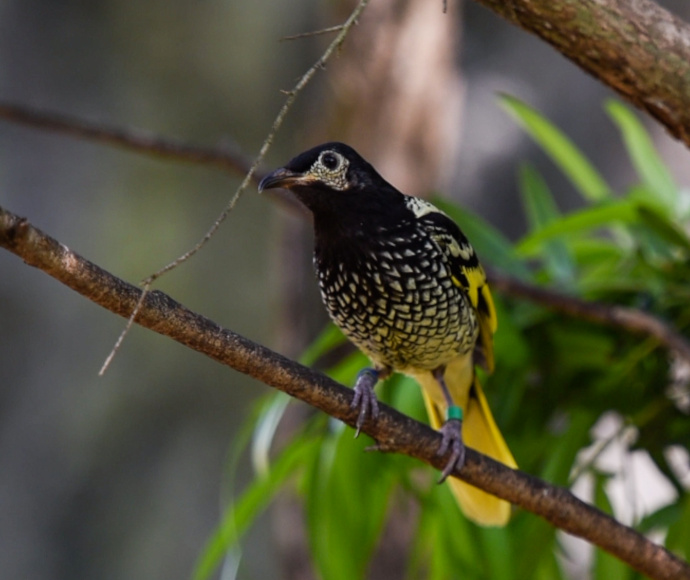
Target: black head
(334,177)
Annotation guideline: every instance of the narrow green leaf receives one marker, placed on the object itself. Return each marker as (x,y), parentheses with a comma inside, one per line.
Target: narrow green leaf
(242,513)
(535,541)
(587,348)
(643,155)
(346,370)
(266,425)
(606,566)
(330,337)
(540,207)
(453,543)
(616,212)
(347,500)
(678,538)
(541,211)
(491,245)
(590,251)
(560,148)
(662,226)
(559,463)
(548,567)
(404,393)
(661,518)
(497,542)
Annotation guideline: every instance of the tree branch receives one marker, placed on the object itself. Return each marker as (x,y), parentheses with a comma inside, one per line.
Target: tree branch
(637,48)
(134,140)
(230,159)
(394,431)
(630,319)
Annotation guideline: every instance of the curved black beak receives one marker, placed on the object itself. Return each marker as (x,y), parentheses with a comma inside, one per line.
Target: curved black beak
(280,178)
(287,179)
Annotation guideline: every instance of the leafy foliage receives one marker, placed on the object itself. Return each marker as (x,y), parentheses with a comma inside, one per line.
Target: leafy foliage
(555,378)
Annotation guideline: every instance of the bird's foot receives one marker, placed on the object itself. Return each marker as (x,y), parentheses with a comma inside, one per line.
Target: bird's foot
(365,397)
(451,431)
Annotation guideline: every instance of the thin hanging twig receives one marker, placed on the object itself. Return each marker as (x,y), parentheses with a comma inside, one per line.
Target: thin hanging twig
(287,105)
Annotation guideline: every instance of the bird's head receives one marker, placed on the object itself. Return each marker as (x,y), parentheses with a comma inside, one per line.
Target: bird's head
(332,177)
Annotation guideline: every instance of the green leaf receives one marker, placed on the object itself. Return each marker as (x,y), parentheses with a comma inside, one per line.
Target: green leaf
(445,541)
(542,211)
(615,212)
(266,425)
(535,541)
(559,462)
(678,538)
(347,499)
(330,337)
(404,393)
(586,347)
(596,251)
(242,513)
(663,227)
(560,148)
(346,370)
(540,207)
(606,566)
(497,543)
(660,519)
(491,245)
(647,162)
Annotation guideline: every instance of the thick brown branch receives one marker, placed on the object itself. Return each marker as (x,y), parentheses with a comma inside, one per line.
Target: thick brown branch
(395,432)
(629,319)
(637,48)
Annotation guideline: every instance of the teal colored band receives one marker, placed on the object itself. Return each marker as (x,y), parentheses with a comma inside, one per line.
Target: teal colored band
(454,412)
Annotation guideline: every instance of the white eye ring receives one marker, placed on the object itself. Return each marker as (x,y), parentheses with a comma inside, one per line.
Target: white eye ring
(330,160)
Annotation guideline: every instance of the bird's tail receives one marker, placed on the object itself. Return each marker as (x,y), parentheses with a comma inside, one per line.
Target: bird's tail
(479,431)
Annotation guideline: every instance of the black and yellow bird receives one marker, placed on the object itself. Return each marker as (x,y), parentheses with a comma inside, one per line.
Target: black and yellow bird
(404,284)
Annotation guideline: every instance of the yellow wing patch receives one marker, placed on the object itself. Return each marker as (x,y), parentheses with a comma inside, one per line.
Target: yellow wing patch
(469,275)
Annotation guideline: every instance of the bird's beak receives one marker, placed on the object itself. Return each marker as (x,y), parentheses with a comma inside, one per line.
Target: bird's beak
(283,178)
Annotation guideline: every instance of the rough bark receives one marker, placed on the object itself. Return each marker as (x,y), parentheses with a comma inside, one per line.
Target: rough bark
(636,47)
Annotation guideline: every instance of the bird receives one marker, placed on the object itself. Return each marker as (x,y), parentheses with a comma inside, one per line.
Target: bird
(404,284)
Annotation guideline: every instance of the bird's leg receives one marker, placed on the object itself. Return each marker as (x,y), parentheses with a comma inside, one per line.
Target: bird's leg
(365,397)
(451,430)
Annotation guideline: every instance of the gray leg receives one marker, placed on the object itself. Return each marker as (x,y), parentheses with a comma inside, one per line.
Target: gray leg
(451,430)
(365,397)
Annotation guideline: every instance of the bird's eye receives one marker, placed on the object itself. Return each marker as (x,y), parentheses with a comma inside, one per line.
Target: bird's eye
(330,160)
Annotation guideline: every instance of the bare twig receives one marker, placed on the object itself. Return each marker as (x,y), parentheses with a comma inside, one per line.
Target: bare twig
(125,330)
(328,30)
(630,319)
(278,121)
(394,432)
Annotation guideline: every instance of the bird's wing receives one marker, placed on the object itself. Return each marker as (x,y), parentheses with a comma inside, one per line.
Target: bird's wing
(467,274)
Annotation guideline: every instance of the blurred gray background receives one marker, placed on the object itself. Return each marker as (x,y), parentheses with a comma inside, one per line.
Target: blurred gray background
(122,476)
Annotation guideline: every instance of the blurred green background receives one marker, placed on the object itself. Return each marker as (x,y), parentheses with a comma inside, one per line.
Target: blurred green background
(122,476)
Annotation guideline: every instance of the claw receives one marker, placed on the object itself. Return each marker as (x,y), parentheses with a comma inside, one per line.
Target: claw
(451,431)
(365,397)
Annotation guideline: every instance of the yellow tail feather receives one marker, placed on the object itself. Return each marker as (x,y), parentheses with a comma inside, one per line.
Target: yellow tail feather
(479,431)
